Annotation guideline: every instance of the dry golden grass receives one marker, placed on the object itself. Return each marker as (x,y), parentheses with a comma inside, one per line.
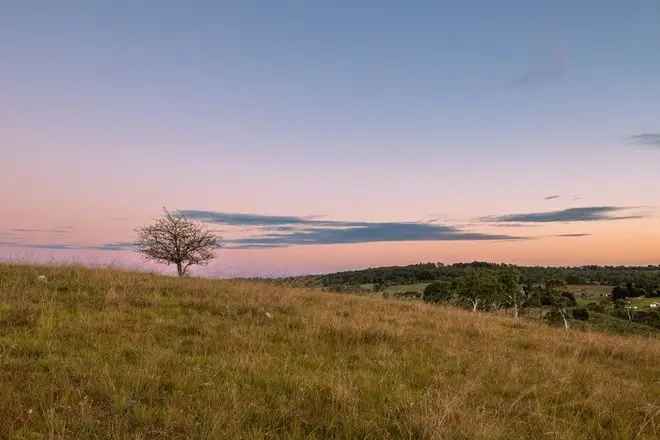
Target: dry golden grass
(118,355)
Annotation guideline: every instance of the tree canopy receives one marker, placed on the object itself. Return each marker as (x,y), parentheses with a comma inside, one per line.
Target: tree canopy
(173,239)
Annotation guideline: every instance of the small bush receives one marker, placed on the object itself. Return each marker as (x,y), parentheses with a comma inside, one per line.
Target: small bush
(570,298)
(553,317)
(652,293)
(437,292)
(596,307)
(581,314)
(648,317)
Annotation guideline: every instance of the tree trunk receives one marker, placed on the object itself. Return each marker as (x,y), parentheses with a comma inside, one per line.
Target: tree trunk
(475,304)
(179,269)
(515,311)
(562,312)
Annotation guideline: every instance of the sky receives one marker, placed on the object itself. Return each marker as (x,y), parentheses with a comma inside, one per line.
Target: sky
(323,136)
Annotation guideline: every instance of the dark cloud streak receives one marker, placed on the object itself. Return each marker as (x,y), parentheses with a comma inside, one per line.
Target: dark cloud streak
(647,139)
(236,219)
(119,246)
(585,214)
(296,231)
(374,232)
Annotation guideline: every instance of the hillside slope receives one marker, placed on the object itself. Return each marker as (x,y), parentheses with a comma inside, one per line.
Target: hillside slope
(107,354)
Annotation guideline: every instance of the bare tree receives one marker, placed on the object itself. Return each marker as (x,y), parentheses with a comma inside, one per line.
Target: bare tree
(173,239)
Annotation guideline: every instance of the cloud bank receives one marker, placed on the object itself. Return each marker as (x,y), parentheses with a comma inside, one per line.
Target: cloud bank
(585,214)
(281,231)
(256,231)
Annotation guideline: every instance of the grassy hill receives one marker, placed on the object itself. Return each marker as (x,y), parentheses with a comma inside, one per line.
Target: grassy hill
(108,354)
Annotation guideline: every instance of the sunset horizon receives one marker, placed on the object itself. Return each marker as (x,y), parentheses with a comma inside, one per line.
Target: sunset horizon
(316,139)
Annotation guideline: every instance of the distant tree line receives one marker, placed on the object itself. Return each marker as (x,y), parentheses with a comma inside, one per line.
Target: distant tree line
(646,277)
(537,291)
(501,287)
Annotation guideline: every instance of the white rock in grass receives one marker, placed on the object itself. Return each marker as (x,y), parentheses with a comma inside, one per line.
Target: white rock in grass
(42,278)
(269,316)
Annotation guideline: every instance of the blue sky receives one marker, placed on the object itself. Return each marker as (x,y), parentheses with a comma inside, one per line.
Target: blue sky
(423,74)
(386,112)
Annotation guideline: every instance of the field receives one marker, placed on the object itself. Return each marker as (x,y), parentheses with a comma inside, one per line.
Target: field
(589,292)
(106,354)
(644,303)
(402,288)
(593,293)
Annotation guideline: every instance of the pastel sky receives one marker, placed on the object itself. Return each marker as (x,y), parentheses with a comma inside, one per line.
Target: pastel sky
(319,136)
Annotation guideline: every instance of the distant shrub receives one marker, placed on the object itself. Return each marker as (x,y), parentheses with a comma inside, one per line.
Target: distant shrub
(596,307)
(581,314)
(648,317)
(545,298)
(652,293)
(553,317)
(575,279)
(619,292)
(438,291)
(636,292)
(569,298)
(630,291)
